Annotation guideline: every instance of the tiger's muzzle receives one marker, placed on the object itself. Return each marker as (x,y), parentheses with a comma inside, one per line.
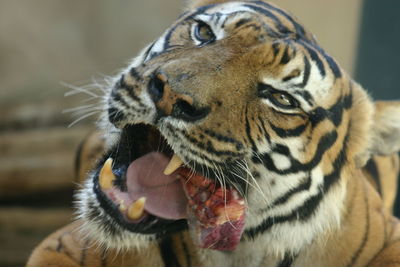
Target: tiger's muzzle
(171,103)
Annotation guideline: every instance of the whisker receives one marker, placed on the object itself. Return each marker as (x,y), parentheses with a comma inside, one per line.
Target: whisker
(82,118)
(256,186)
(77,90)
(80,108)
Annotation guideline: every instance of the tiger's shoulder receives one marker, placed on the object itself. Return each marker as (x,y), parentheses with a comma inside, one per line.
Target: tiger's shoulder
(68,248)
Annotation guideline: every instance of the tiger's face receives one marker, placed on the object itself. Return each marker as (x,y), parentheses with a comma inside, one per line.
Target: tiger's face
(242,95)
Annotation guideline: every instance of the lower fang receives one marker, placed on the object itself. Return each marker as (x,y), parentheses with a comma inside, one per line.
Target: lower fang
(136,209)
(122,206)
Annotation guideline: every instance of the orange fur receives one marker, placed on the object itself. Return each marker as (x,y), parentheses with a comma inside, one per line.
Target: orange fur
(232,98)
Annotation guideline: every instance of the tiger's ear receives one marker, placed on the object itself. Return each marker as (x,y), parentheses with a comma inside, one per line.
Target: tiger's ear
(384,131)
(386,128)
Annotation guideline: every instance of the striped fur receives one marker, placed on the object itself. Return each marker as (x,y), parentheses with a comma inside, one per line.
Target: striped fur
(267,110)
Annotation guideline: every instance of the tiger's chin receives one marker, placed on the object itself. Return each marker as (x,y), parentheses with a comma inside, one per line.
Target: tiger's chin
(141,191)
(101,229)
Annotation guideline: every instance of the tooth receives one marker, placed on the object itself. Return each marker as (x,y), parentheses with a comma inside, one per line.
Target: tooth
(135,210)
(106,176)
(122,206)
(173,164)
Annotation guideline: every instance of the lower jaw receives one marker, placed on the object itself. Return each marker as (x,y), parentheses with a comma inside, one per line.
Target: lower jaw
(148,225)
(219,232)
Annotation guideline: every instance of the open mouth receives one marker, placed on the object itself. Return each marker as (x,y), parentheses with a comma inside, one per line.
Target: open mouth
(147,189)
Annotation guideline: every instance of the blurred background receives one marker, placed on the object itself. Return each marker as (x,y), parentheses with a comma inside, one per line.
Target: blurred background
(46,44)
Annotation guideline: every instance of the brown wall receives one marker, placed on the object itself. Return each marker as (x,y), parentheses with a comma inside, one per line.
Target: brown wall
(335,23)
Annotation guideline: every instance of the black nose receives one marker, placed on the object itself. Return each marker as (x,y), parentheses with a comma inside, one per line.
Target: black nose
(156,87)
(171,103)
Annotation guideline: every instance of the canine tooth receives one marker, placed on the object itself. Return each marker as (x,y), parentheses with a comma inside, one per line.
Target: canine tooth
(173,164)
(106,176)
(122,206)
(135,210)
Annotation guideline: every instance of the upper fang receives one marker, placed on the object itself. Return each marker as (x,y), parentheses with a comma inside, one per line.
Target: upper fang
(173,165)
(106,176)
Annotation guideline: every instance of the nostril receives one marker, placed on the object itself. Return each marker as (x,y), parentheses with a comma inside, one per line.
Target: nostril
(156,88)
(184,110)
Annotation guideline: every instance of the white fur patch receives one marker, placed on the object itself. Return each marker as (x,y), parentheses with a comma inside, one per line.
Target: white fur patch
(97,230)
(281,161)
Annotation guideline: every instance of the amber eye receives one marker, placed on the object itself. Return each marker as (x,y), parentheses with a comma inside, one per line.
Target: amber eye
(283,100)
(277,97)
(203,33)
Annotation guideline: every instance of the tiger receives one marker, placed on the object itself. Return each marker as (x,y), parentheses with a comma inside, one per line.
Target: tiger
(234,139)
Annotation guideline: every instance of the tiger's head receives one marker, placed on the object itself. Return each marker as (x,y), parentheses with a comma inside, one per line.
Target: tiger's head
(242,95)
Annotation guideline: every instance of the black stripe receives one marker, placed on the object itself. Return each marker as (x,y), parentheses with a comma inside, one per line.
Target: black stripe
(290,76)
(275,48)
(232,14)
(310,205)
(248,131)
(192,16)
(77,162)
(116,97)
(266,134)
(324,144)
(331,62)
(285,57)
(373,171)
(186,252)
(167,253)
(301,214)
(219,16)
(306,75)
(167,38)
(300,32)
(334,113)
(84,252)
(225,166)
(208,146)
(103,258)
(304,186)
(146,54)
(365,236)
(224,138)
(241,22)
(287,261)
(115,115)
(279,25)
(121,84)
(284,133)
(306,96)
(333,65)
(314,56)
(133,72)
(60,243)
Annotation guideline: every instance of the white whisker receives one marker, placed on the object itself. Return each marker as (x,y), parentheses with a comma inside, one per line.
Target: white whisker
(82,118)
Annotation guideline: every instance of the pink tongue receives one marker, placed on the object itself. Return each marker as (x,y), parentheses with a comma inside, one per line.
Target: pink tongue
(166,198)
(164,194)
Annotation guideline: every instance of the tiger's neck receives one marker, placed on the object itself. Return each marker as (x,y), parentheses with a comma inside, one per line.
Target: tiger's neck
(285,238)
(294,217)
(330,237)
